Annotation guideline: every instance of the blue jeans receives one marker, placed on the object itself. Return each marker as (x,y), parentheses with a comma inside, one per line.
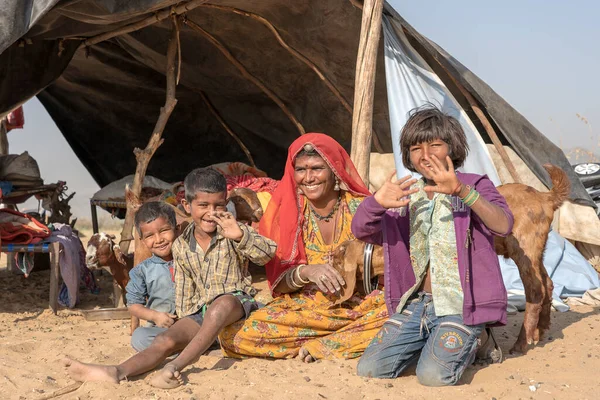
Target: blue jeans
(143,336)
(443,346)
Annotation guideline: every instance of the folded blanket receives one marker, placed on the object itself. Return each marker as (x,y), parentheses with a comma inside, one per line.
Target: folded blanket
(18,228)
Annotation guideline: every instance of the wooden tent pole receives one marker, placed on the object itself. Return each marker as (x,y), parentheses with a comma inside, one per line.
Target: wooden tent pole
(3,137)
(143,156)
(364,86)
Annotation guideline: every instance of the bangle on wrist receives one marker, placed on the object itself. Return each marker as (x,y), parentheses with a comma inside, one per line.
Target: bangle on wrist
(471,197)
(289,279)
(298,269)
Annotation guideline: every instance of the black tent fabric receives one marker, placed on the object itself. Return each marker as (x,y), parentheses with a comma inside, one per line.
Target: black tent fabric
(105,99)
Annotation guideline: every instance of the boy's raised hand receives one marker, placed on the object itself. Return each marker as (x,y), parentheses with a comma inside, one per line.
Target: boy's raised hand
(164,320)
(394,194)
(446,181)
(229,226)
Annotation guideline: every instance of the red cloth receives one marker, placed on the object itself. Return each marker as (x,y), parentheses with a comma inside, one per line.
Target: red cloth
(15,119)
(283,220)
(251,182)
(18,228)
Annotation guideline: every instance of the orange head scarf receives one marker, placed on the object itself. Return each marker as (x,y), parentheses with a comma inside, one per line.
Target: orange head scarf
(283,220)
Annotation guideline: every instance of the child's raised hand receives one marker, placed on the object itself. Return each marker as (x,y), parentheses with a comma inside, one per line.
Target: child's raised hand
(446,181)
(229,227)
(164,320)
(394,194)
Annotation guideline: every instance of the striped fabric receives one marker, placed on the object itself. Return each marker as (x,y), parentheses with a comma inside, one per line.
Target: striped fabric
(200,277)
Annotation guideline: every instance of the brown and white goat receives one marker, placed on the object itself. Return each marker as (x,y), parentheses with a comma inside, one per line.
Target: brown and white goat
(533,213)
(103,252)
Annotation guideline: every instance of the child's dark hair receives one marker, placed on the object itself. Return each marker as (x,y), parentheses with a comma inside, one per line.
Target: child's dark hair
(152,210)
(427,124)
(205,180)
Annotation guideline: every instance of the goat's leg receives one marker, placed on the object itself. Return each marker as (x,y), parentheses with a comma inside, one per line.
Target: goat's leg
(544,319)
(534,297)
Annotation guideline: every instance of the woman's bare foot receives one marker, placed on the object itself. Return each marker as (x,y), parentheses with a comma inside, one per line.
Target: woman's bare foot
(90,372)
(304,356)
(167,378)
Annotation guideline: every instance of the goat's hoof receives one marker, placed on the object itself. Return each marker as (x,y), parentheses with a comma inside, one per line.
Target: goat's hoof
(519,348)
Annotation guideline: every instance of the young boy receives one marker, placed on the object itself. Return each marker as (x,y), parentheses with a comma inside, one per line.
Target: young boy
(212,285)
(151,289)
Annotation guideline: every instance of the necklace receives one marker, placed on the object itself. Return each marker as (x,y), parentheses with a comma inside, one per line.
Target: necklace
(327,217)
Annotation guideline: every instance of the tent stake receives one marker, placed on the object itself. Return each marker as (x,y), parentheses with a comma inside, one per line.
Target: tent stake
(364,86)
(143,156)
(216,114)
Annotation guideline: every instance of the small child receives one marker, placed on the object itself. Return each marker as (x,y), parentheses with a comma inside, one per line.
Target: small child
(151,288)
(212,285)
(442,277)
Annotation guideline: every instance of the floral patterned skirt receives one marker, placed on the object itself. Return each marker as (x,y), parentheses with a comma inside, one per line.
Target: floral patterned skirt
(307,319)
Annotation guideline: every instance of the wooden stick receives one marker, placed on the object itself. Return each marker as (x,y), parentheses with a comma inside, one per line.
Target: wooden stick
(246,73)
(156,17)
(143,156)
(3,137)
(481,115)
(364,86)
(67,389)
(54,276)
(214,112)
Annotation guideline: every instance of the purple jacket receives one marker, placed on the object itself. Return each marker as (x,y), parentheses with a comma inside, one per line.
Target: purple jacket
(481,279)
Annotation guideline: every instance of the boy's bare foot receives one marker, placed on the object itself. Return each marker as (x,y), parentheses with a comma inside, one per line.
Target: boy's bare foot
(167,378)
(305,356)
(90,372)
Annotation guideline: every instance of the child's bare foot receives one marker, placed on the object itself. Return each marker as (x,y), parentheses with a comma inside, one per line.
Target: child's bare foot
(90,372)
(167,378)
(305,356)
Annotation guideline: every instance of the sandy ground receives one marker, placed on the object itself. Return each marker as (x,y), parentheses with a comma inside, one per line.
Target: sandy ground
(564,365)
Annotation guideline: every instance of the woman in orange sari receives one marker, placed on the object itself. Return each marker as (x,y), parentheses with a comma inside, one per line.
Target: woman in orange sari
(308,217)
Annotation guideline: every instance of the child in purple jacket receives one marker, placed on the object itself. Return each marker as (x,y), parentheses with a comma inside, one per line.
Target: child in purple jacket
(442,278)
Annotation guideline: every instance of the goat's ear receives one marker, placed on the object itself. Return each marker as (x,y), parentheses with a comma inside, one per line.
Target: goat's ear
(113,237)
(119,255)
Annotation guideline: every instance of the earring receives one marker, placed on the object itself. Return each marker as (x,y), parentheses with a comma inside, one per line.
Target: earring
(336,187)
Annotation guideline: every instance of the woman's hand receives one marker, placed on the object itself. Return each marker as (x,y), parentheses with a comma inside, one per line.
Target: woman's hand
(446,181)
(395,194)
(324,276)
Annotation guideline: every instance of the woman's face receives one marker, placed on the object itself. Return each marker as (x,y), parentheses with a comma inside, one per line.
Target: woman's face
(421,154)
(313,176)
